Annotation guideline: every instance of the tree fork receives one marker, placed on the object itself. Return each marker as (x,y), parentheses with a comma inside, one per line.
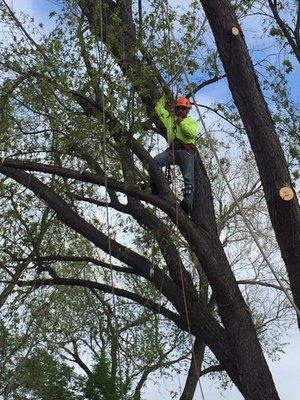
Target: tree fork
(255,114)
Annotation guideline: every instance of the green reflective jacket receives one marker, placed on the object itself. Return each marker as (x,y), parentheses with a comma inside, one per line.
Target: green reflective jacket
(186,130)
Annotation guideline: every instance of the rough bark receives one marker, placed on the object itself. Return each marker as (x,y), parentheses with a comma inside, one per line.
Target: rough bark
(271,162)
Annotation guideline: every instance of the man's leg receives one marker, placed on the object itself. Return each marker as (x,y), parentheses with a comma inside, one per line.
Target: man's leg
(187,165)
(163,159)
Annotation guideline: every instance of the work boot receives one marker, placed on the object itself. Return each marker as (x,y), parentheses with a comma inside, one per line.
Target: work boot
(186,207)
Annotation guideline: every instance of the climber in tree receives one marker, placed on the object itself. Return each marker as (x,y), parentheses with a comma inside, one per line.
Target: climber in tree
(181,137)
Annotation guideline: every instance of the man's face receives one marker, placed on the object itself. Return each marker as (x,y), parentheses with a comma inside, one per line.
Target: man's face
(181,112)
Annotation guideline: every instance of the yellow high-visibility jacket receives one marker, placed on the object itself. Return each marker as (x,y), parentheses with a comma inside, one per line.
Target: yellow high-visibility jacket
(186,130)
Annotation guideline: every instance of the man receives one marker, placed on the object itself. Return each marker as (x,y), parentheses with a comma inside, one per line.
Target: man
(181,137)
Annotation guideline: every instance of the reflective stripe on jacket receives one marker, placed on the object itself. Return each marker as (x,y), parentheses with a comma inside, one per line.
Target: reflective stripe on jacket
(186,130)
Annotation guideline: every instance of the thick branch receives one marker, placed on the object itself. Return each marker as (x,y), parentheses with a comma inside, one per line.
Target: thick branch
(85,176)
(297,27)
(122,43)
(78,359)
(285,30)
(162,236)
(151,305)
(194,371)
(203,84)
(54,258)
(78,224)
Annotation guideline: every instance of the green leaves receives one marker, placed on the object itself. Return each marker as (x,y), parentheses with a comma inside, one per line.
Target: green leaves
(46,378)
(102,385)
(276,31)
(52,14)
(288,66)
(44,121)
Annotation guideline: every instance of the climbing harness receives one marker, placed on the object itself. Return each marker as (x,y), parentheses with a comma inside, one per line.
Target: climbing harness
(187,190)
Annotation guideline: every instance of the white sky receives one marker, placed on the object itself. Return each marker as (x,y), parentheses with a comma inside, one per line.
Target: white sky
(286,372)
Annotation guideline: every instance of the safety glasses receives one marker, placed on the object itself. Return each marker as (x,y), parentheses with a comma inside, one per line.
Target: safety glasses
(181,108)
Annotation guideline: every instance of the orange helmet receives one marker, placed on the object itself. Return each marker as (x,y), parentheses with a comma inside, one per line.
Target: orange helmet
(183,102)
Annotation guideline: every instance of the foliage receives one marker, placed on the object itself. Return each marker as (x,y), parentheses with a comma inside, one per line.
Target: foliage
(43,91)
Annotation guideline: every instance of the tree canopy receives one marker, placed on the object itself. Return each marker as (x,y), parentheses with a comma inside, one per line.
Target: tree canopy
(97,272)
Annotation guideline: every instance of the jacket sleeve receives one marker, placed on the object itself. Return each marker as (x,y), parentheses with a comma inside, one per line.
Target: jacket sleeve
(189,128)
(161,110)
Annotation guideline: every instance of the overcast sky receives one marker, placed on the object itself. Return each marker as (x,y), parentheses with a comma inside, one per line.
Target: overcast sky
(286,374)
(286,371)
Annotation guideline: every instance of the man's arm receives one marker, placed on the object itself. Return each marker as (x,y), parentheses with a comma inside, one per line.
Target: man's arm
(161,110)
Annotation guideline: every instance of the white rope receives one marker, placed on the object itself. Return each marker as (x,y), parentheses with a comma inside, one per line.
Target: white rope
(222,170)
(103,120)
(165,11)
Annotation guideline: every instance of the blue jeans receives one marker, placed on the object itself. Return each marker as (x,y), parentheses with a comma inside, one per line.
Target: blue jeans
(185,161)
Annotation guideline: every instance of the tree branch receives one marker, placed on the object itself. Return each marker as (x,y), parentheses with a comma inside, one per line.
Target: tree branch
(285,29)
(78,224)
(85,176)
(55,258)
(221,116)
(77,359)
(203,84)
(194,371)
(143,301)
(297,26)
(260,283)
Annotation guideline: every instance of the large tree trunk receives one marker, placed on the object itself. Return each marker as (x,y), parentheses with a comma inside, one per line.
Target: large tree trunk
(272,165)
(254,375)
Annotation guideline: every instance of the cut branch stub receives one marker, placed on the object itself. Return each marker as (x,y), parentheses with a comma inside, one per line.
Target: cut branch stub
(286,193)
(235,31)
